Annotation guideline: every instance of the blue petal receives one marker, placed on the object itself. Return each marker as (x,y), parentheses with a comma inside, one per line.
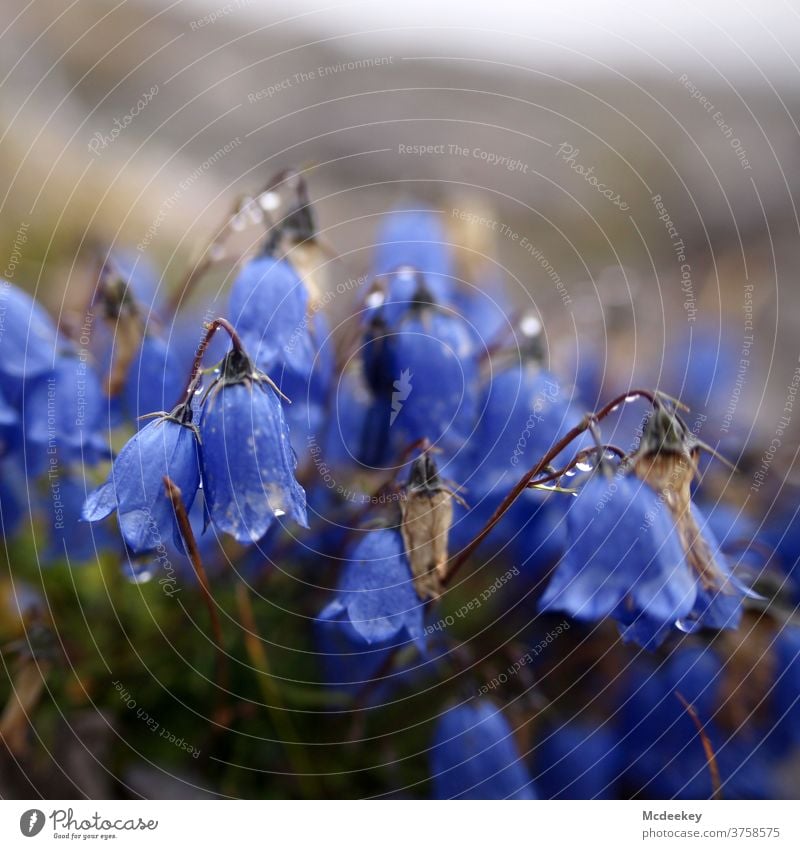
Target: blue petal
(377,589)
(146,517)
(248,462)
(624,547)
(28,336)
(474,756)
(268,307)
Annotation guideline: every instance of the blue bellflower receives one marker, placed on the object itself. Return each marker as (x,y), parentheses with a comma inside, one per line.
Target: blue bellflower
(269,308)
(413,237)
(28,336)
(423,375)
(248,461)
(63,412)
(155,378)
(624,557)
(376,591)
(578,760)
(167,446)
(474,756)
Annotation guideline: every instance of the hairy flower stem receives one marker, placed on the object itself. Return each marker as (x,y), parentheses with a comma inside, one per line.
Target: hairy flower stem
(708,750)
(212,254)
(211,329)
(589,420)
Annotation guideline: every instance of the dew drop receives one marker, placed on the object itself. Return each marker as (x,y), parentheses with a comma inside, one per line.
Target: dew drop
(375,299)
(140,576)
(584,466)
(269,201)
(530,326)
(254,213)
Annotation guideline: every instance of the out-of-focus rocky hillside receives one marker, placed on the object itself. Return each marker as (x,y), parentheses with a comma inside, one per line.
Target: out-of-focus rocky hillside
(137,123)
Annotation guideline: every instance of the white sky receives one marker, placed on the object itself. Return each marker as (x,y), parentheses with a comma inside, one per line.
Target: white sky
(736,38)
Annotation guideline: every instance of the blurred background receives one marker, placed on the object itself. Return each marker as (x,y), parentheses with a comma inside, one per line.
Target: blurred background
(630,171)
(136,123)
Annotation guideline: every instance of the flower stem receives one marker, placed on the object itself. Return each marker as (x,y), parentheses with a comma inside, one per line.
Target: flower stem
(187,534)
(211,328)
(522,484)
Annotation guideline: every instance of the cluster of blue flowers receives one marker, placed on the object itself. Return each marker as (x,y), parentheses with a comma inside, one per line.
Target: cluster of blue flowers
(418,451)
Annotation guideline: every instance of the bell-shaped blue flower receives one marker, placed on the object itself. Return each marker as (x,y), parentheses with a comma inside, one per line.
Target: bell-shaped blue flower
(155,379)
(376,591)
(624,557)
(63,413)
(474,756)
(167,446)
(579,760)
(27,335)
(269,309)
(414,238)
(248,461)
(423,375)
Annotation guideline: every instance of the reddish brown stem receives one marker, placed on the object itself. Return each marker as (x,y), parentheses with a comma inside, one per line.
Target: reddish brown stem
(211,329)
(536,469)
(711,758)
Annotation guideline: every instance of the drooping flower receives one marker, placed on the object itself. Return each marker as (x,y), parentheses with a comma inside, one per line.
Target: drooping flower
(639,551)
(578,760)
(376,591)
(60,508)
(269,308)
(167,446)
(416,239)
(623,558)
(474,756)
(248,461)
(63,413)
(667,757)
(155,379)
(28,336)
(423,374)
